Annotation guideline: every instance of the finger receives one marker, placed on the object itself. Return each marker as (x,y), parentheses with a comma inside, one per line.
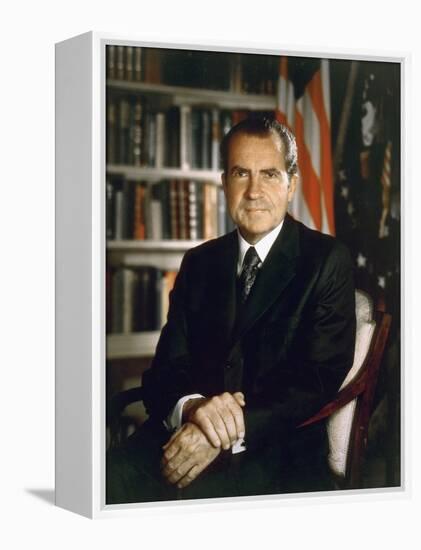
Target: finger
(171,449)
(208,429)
(230,424)
(238,417)
(175,474)
(190,476)
(221,429)
(171,439)
(171,458)
(239,397)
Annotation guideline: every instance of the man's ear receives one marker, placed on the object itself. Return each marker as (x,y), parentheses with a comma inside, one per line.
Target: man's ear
(292,186)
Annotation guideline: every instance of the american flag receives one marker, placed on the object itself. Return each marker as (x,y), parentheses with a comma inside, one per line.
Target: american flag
(303,104)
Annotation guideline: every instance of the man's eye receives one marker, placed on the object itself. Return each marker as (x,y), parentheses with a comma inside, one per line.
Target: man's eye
(271,175)
(239,173)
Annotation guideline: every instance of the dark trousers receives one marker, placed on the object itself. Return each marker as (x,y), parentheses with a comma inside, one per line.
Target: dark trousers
(133,472)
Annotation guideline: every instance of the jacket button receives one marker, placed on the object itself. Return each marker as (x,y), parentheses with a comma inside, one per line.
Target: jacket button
(228,366)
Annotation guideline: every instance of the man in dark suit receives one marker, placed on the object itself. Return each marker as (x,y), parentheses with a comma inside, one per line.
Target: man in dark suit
(260,335)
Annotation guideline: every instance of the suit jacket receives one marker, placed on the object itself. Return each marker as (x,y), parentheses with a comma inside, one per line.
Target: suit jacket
(288,349)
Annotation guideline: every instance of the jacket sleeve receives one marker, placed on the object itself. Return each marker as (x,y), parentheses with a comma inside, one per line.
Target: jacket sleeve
(322,355)
(168,379)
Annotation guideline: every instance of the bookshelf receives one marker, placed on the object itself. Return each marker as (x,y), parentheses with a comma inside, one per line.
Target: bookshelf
(157,174)
(179,95)
(166,113)
(164,254)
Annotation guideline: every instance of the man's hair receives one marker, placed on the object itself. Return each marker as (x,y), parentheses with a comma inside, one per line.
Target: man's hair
(263,126)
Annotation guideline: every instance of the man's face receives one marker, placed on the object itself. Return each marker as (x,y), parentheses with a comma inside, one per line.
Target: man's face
(256,184)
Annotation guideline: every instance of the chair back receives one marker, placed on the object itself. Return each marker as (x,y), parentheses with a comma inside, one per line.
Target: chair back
(348,414)
(339,424)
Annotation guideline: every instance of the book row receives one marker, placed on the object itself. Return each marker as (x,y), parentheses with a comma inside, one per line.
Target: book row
(137,298)
(169,209)
(183,137)
(239,73)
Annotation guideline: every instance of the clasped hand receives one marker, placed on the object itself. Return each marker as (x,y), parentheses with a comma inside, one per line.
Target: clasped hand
(186,455)
(219,417)
(210,423)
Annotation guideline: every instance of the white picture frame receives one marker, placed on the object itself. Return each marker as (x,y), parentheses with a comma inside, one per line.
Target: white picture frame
(80,273)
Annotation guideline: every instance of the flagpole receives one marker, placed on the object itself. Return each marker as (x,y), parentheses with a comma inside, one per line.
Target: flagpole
(345,116)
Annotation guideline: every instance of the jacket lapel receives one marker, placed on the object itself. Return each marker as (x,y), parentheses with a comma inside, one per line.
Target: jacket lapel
(276,273)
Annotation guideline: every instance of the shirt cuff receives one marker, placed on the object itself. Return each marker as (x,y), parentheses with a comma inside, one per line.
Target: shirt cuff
(239,446)
(174,419)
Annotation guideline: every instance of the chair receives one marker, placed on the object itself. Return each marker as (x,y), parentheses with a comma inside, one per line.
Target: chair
(347,415)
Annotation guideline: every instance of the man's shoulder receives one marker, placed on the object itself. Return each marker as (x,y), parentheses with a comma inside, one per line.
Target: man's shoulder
(320,246)
(213,246)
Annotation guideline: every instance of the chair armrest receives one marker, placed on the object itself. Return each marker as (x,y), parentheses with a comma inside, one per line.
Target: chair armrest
(364,378)
(119,402)
(344,396)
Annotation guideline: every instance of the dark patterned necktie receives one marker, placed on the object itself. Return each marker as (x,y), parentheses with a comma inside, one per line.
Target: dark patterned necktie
(251,264)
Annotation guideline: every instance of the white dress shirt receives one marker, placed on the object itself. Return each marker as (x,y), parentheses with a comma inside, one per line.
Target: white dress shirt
(174,419)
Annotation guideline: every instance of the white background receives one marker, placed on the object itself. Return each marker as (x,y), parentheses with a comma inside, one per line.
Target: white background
(28,33)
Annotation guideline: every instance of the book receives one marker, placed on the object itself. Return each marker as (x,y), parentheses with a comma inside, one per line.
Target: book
(117,300)
(111,62)
(157,229)
(128,73)
(210,219)
(136,132)
(172,137)
(129,282)
(160,140)
(149,148)
(123,131)
(205,140)
(222,212)
(174,210)
(194,137)
(120,63)
(111,132)
(193,230)
(153,58)
(118,214)
(137,64)
(160,194)
(185,137)
(182,209)
(215,139)
(139,226)
(147,214)
(110,209)
(145,300)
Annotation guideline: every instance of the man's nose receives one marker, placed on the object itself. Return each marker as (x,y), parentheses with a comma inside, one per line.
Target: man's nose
(254,190)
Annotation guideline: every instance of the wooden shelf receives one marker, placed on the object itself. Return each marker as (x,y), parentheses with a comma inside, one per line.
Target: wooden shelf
(165,255)
(197,96)
(152,246)
(126,346)
(158,174)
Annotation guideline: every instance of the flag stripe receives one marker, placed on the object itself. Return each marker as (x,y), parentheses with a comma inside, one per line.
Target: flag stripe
(309,180)
(315,89)
(309,118)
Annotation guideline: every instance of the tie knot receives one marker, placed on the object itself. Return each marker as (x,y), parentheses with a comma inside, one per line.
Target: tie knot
(251,259)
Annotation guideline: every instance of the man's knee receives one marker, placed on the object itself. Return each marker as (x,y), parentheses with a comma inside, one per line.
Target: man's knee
(133,472)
